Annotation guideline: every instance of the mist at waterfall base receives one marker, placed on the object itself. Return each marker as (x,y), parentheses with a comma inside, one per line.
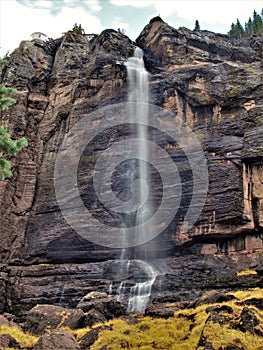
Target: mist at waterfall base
(139,293)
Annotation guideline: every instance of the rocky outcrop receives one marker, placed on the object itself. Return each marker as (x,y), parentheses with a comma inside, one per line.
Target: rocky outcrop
(211,82)
(166,47)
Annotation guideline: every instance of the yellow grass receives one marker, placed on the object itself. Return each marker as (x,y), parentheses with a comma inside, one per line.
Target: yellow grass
(184,330)
(25,340)
(246,273)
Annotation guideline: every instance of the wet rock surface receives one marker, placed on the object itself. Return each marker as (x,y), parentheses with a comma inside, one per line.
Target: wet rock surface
(102,303)
(180,279)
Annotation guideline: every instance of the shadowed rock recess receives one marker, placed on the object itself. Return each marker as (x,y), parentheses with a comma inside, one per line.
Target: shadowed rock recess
(213,83)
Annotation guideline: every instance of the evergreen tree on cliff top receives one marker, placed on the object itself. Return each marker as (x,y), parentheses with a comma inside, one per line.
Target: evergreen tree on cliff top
(197,25)
(253,26)
(8,147)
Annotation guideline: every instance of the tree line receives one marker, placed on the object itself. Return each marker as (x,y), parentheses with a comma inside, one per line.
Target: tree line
(252,26)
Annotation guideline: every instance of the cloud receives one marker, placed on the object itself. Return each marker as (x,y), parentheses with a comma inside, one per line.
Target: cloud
(208,12)
(18,22)
(55,7)
(133,3)
(119,22)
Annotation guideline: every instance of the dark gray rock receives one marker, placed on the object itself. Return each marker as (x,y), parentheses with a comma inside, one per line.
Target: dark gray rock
(258,302)
(90,337)
(212,297)
(162,311)
(92,317)
(7,341)
(248,320)
(108,306)
(57,340)
(45,317)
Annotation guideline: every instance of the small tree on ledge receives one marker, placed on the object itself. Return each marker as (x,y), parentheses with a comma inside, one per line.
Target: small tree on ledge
(78,29)
(197,25)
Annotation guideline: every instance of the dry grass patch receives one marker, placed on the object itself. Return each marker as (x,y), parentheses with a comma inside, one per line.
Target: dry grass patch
(186,328)
(25,340)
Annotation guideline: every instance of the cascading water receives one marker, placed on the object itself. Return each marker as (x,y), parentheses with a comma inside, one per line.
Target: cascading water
(140,292)
(139,98)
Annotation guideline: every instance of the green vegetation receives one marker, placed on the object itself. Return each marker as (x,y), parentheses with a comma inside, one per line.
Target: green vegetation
(4,61)
(8,147)
(78,29)
(253,26)
(197,25)
(6,102)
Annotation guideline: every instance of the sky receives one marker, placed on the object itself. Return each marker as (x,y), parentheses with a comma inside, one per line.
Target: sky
(20,18)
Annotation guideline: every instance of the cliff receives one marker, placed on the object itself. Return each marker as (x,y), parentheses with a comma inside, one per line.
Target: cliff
(212,82)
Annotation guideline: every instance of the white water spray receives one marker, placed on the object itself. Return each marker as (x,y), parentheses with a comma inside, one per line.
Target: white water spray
(140,293)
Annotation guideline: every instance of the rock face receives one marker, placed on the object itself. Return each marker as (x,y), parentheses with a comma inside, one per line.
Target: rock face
(211,82)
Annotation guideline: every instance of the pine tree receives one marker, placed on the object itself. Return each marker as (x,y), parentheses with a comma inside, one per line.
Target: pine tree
(254,26)
(232,30)
(6,102)
(257,23)
(197,25)
(8,147)
(250,29)
(239,30)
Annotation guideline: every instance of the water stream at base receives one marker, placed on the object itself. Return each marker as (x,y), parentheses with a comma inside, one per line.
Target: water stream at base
(140,291)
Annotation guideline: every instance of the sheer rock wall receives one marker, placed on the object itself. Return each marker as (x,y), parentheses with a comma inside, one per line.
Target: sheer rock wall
(210,81)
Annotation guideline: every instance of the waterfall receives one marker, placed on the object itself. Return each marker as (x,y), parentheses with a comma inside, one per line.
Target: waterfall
(140,292)
(139,98)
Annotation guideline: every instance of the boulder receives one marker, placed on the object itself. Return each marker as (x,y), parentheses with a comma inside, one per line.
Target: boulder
(212,297)
(108,306)
(4,321)
(248,320)
(45,317)
(161,310)
(89,338)
(258,302)
(57,340)
(92,317)
(7,341)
